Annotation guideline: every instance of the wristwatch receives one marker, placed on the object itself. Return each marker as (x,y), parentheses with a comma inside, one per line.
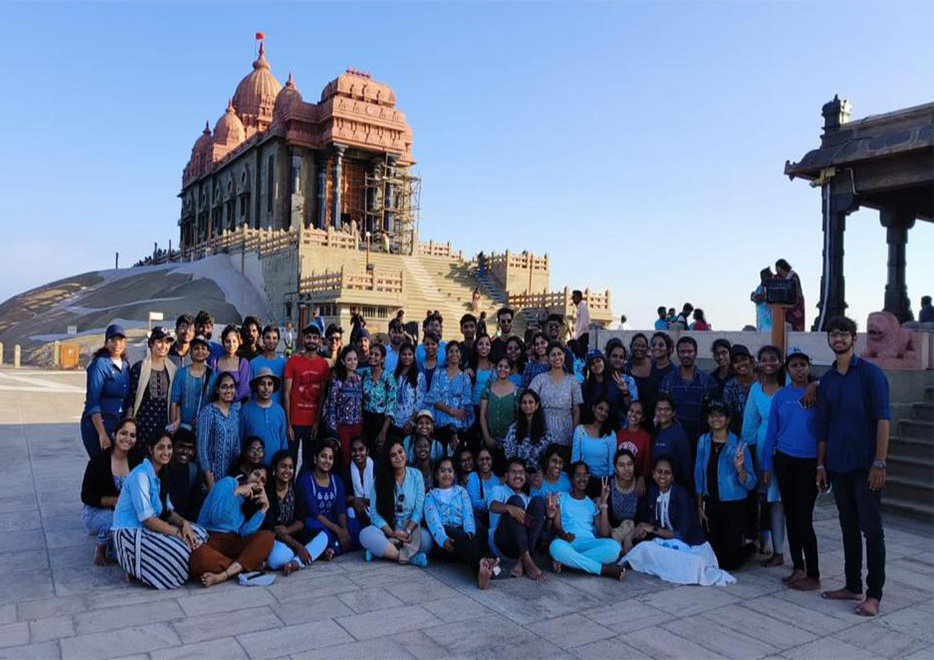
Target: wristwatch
(878,464)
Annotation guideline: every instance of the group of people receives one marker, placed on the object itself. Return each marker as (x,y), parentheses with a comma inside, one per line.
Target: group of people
(690,318)
(220,460)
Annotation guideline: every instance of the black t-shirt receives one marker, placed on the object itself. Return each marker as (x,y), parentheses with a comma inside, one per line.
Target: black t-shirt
(713,470)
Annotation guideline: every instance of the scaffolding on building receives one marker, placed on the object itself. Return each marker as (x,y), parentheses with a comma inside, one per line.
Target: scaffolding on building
(392,206)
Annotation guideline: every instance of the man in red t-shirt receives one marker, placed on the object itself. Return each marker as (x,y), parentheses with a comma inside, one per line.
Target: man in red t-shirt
(306,379)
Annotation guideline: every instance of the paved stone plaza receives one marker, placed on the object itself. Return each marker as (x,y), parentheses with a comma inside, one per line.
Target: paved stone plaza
(54,603)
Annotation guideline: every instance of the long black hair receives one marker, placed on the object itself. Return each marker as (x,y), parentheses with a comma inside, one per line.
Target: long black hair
(536,432)
(412,374)
(249,507)
(385,486)
(520,363)
(163,474)
(340,369)
(610,423)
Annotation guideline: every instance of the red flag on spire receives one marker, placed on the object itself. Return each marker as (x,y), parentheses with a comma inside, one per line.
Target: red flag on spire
(260,36)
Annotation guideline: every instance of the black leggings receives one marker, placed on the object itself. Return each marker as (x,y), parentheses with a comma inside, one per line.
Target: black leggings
(725,524)
(513,539)
(466,548)
(796,483)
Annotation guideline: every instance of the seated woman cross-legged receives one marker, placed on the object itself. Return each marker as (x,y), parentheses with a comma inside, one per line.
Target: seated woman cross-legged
(396,513)
(326,501)
(294,547)
(233,513)
(449,517)
(516,522)
(152,542)
(669,542)
(100,489)
(575,515)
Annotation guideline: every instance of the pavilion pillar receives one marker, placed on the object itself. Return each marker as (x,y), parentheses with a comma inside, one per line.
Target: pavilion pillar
(897,223)
(836,206)
(388,194)
(322,191)
(336,184)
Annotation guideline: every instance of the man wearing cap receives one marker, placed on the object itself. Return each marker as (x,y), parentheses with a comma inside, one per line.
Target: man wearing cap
(262,417)
(306,379)
(180,353)
(191,387)
(853,430)
(270,359)
(108,381)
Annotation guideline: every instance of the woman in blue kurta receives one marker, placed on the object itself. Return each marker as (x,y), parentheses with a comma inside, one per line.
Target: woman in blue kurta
(219,431)
(326,503)
(451,397)
(755,428)
(108,381)
(152,542)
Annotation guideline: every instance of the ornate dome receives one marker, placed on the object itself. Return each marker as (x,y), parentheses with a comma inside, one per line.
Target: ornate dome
(256,93)
(229,129)
(203,143)
(286,99)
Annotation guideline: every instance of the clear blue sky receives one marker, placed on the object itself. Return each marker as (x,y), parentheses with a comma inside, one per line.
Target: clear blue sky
(640,145)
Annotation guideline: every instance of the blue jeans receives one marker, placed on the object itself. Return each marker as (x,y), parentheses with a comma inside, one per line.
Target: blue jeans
(92,443)
(282,554)
(98,521)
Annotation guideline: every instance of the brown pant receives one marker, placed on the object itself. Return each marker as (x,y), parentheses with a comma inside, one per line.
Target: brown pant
(224,548)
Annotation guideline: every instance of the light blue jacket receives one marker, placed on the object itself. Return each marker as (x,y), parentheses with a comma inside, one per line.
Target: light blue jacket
(139,498)
(457,512)
(731,489)
(221,511)
(410,498)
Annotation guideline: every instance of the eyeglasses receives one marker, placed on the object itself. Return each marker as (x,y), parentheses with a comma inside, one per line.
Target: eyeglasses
(228,386)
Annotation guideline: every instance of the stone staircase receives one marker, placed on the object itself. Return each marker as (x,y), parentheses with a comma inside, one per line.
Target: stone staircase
(443,284)
(909,487)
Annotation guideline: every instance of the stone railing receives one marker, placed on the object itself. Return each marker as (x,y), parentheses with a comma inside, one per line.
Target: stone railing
(337,284)
(330,238)
(247,239)
(432,249)
(560,301)
(523,260)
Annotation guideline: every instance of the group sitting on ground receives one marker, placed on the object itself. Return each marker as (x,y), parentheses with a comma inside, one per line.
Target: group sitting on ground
(226,462)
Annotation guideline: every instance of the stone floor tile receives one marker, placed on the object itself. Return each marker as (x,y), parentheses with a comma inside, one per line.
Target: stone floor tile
(797,616)
(123,616)
(688,600)
(627,615)
(880,640)
(204,627)
(293,639)
(306,610)
(378,624)
(776,633)
(828,647)
(718,638)
(458,608)
(14,634)
(43,651)
(123,593)
(120,642)
(661,643)
(48,607)
(927,653)
(369,600)
(7,613)
(500,639)
(56,627)
(609,649)
(19,521)
(294,587)
(225,598)
(27,585)
(526,601)
(376,648)
(570,630)
(226,648)
(911,621)
(421,590)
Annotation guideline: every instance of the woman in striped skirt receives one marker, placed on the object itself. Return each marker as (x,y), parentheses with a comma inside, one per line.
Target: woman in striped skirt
(152,542)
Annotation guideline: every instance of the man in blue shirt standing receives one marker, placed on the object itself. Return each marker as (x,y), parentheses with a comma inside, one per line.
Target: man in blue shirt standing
(691,390)
(853,432)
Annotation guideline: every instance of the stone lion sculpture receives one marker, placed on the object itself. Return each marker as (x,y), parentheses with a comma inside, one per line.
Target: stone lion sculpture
(888,344)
